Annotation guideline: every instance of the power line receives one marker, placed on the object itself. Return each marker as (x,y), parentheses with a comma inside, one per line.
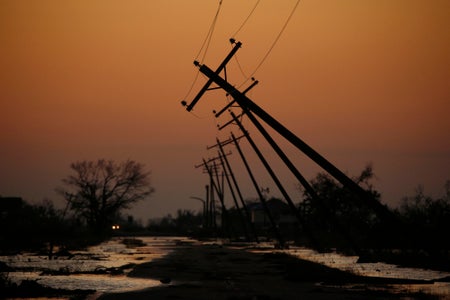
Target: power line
(206,42)
(274,42)
(246,19)
(208,38)
(240,68)
(238,30)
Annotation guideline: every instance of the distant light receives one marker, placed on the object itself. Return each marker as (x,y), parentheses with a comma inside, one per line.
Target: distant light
(115,227)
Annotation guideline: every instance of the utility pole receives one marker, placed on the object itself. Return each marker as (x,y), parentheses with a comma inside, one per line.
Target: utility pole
(246,103)
(233,195)
(260,195)
(278,183)
(219,69)
(215,186)
(210,201)
(203,208)
(229,173)
(207,219)
(300,178)
(238,190)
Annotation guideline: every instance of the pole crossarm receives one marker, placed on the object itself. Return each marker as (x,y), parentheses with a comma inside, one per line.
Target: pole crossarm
(224,143)
(206,162)
(222,66)
(228,123)
(217,114)
(217,145)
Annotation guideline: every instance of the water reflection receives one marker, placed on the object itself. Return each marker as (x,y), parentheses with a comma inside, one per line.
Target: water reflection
(108,255)
(100,283)
(350,264)
(115,254)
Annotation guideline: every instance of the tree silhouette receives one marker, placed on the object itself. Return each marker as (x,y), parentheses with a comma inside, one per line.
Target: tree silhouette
(340,205)
(427,218)
(97,191)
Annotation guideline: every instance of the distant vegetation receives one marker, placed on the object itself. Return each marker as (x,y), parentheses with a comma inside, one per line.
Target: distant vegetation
(427,219)
(185,222)
(36,227)
(97,191)
(339,220)
(50,231)
(418,228)
(415,233)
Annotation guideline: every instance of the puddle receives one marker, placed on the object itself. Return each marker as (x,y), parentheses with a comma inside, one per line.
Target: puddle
(114,254)
(350,264)
(110,254)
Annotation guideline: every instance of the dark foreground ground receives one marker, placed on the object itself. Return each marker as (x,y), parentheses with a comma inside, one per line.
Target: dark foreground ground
(195,271)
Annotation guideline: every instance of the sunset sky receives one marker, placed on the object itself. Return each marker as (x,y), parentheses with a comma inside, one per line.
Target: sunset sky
(359,81)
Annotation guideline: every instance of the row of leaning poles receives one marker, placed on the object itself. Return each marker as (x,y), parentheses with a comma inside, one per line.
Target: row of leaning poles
(252,112)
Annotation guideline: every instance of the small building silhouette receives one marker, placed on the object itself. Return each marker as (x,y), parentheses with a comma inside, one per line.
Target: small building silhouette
(279,210)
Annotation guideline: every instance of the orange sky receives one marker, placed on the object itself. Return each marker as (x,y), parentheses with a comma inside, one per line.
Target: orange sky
(360,81)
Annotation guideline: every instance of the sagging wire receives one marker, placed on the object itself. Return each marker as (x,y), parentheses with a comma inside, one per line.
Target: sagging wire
(208,38)
(246,19)
(239,30)
(240,67)
(206,42)
(273,44)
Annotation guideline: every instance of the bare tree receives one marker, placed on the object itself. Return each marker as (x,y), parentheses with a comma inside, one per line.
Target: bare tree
(98,190)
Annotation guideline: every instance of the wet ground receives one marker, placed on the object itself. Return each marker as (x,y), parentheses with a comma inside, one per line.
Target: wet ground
(163,267)
(102,268)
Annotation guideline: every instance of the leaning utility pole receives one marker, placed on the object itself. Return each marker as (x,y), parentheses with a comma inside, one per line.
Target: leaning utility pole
(229,174)
(263,201)
(210,201)
(278,183)
(245,103)
(216,186)
(290,165)
(238,190)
